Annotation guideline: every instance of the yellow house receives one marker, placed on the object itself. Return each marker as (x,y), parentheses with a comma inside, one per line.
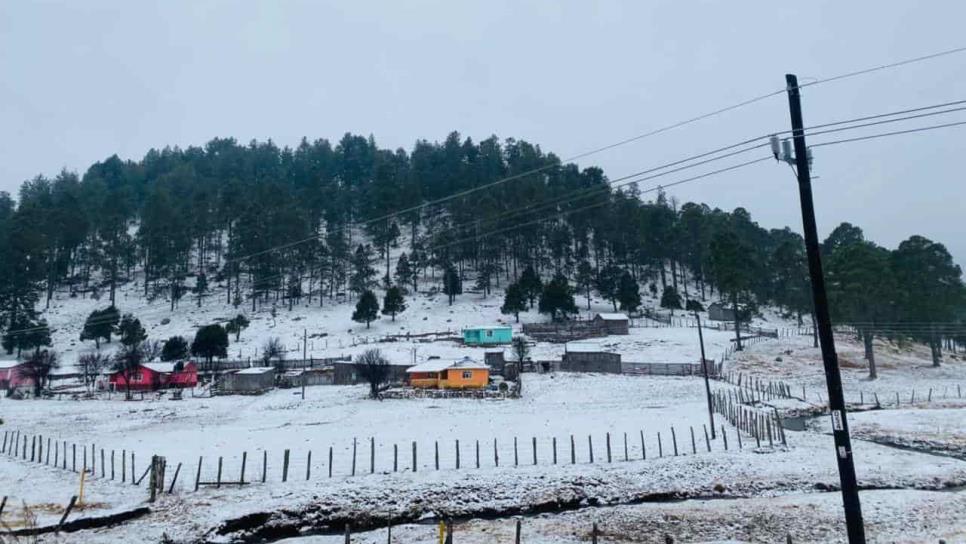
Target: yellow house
(463,374)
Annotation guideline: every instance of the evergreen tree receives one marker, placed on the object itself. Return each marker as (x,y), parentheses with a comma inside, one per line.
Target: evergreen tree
(861,290)
(99,325)
(732,271)
(514,301)
(236,325)
(210,341)
(452,284)
(557,299)
(628,293)
(131,331)
(175,349)
(394,302)
(585,279)
(362,270)
(670,299)
(201,287)
(608,283)
(405,275)
(530,284)
(367,309)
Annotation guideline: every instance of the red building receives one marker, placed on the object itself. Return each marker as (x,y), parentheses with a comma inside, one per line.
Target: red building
(152,376)
(14,377)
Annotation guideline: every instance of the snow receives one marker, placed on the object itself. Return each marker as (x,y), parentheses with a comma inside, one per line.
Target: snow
(439,366)
(256,370)
(162,368)
(612,317)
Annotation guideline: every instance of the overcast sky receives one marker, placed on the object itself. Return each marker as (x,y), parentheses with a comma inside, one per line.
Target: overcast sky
(80,81)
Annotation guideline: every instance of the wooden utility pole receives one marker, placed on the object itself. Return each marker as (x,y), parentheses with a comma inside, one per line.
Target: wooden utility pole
(833,378)
(704,368)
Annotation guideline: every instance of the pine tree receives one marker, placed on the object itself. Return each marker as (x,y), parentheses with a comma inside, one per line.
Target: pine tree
(210,341)
(557,298)
(608,283)
(131,331)
(393,303)
(175,349)
(514,301)
(530,284)
(362,270)
(99,325)
(405,275)
(733,271)
(585,279)
(452,284)
(367,309)
(201,287)
(236,325)
(670,299)
(628,293)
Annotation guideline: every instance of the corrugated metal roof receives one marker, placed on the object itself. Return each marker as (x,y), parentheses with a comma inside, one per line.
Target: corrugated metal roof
(612,317)
(163,368)
(584,347)
(256,370)
(439,366)
(488,328)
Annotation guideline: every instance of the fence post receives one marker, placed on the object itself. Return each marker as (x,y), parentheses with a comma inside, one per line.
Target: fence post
(706,441)
(123,463)
(516,456)
(626,458)
(554,450)
(724,437)
(285,458)
(590,447)
(643,448)
(496,454)
(457,454)
(477,454)
(534,450)
(573,452)
(198,474)
(218,480)
(353,456)
(372,455)
(436,444)
(395,458)
(660,446)
(308,466)
(414,456)
(241,477)
(674,441)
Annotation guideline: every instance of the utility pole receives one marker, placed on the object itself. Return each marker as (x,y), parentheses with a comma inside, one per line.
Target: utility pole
(305,344)
(833,379)
(704,367)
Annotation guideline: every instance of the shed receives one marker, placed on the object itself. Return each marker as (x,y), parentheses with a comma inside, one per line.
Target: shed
(587,357)
(487,336)
(719,312)
(344,373)
(612,323)
(14,377)
(307,377)
(463,374)
(247,381)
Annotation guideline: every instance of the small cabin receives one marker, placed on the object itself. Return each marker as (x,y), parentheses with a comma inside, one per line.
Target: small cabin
(612,323)
(719,312)
(487,336)
(463,374)
(588,357)
(154,376)
(14,377)
(247,381)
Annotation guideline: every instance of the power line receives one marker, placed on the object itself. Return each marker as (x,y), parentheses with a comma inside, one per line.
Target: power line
(619,143)
(886,134)
(886,121)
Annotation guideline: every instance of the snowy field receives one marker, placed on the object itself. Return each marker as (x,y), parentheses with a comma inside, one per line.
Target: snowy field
(746,495)
(552,406)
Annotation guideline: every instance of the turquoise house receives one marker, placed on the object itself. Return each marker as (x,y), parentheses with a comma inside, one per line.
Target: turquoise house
(486,336)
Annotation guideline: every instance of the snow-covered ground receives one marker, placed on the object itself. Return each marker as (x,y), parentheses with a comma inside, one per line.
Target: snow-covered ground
(770,491)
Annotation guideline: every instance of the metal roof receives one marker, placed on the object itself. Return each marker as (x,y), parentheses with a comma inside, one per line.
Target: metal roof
(612,317)
(439,366)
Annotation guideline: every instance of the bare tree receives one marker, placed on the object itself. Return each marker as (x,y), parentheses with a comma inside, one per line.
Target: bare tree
(374,368)
(128,362)
(274,350)
(91,365)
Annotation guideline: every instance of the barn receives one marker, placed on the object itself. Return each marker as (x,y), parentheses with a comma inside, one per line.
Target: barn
(247,381)
(154,376)
(612,323)
(587,357)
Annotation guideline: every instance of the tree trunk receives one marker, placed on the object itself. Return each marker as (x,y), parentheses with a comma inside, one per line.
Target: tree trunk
(734,305)
(870,354)
(814,331)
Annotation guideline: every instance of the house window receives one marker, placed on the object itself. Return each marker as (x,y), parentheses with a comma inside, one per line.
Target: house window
(136,377)
(467,374)
(489,333)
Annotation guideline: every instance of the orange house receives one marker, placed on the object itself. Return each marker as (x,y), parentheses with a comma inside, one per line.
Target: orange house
(463,374)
